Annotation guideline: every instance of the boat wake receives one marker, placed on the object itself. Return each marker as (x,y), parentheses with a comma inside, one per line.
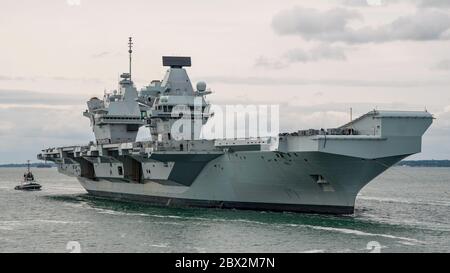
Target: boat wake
(406,201)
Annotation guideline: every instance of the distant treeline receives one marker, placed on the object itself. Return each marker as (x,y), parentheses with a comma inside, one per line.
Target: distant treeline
(425,163)
(32,165)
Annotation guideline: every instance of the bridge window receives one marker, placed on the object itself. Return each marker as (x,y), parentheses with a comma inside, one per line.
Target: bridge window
(120,170)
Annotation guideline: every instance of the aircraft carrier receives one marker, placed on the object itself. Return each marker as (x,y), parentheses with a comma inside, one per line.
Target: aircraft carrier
(318,171)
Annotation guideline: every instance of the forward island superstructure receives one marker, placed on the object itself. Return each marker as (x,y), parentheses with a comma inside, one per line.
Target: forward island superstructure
(318,171)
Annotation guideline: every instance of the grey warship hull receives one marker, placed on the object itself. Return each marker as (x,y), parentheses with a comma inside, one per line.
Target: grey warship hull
(318,171)
(258,184)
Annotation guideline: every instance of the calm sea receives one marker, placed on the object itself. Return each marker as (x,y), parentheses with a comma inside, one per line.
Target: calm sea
(404,210)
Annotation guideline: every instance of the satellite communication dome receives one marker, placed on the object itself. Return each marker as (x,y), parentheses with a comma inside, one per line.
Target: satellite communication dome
(201,86)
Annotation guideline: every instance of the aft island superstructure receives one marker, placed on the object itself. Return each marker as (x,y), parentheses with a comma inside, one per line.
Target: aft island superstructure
(318,171)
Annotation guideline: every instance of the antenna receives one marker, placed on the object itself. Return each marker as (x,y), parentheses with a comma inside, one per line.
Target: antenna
(130,46)
(351,114)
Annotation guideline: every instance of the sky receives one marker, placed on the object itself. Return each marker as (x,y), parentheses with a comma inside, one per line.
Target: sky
(316,59)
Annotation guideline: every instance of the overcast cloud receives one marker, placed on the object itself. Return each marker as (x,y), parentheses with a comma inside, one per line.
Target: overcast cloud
(333,26)
(418,3)
(434,3)
(314,58)
(443,65)
(320,52)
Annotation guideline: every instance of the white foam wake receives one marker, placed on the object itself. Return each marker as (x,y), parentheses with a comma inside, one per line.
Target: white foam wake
(360,233)
(406,201)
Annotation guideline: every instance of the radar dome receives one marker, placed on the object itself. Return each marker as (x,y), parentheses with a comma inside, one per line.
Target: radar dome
(201,86)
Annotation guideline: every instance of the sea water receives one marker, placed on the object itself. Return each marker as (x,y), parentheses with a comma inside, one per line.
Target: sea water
(403,210)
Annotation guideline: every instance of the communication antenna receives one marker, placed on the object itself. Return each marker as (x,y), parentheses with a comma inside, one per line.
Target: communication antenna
(351,120)
(130,50)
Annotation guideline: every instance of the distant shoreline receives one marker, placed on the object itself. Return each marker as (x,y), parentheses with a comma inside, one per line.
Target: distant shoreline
(407,163)
(24,165)
(424,163)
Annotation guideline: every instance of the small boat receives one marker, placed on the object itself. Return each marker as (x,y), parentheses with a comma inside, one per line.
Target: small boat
(28,182)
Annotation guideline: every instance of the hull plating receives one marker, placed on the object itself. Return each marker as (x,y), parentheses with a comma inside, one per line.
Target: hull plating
(303,182)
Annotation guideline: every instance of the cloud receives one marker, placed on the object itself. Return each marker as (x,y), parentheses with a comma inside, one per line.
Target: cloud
(52,78)
(265,62)
(320,52)
(325,82)
(10,78)
(33,106)
(312,23)
(82,80)
(355,3)
(333,26)
(417,3)
(27,130)
(434,3)
(443,65)
(376,3)
(5,127)
(101,54)
(24,98)
(443,117)
(34,114)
